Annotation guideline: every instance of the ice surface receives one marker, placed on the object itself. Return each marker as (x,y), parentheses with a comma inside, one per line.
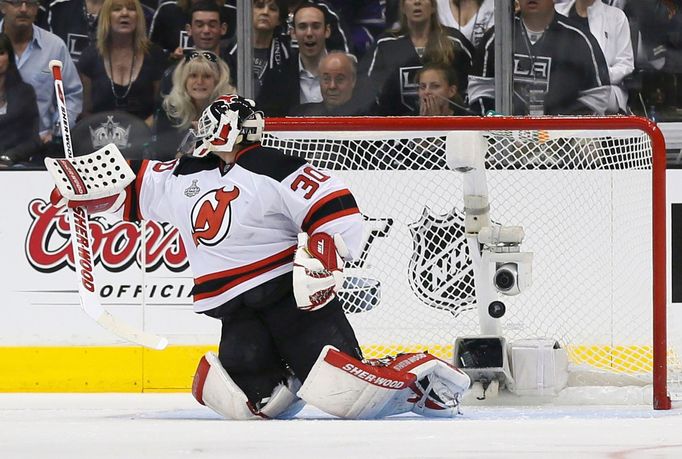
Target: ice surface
(168,426)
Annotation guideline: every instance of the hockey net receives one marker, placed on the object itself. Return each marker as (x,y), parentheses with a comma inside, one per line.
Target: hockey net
(589,194)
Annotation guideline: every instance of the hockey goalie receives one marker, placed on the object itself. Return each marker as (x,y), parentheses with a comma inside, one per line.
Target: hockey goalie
(266,236)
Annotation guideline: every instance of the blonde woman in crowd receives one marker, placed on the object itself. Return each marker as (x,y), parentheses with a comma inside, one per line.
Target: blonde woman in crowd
(197,81)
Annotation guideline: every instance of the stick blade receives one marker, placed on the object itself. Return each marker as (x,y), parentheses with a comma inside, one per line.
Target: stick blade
(128,333)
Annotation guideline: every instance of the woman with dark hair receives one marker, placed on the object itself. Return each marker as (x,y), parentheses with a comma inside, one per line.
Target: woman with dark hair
(123,72)
(271,43)
(19,119)
(420,39)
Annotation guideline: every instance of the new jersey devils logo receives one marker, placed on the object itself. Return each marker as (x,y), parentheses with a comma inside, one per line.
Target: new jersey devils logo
(211,216)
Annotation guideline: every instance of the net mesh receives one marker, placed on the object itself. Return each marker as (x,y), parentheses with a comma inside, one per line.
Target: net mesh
(583,198)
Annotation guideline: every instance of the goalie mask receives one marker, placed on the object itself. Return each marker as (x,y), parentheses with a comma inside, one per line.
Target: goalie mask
(227,122)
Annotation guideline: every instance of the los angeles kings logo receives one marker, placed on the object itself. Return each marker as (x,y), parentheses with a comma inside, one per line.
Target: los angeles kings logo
(212,215)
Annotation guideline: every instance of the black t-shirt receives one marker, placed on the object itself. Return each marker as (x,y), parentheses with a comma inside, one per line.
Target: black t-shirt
(260,61)
(260,65)
(168,26)
(582,21)
(140,97)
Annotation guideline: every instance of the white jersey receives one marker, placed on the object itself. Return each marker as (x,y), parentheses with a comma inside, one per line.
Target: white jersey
(239,222)
(477,26)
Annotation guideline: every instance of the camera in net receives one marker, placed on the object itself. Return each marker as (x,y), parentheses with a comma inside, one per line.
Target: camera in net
(506,279)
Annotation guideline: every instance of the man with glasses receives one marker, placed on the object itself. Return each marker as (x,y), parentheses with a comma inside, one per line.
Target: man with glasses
(34,48)
(338,77)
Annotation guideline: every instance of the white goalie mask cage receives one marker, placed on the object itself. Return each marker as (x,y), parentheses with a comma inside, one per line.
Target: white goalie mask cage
(228,121)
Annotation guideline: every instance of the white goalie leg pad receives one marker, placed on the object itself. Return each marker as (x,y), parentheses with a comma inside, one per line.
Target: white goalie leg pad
(100,174)
(343,386)
(439,387)
(214,388)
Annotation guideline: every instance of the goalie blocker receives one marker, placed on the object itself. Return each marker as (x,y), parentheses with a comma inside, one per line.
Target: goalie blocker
(343,386)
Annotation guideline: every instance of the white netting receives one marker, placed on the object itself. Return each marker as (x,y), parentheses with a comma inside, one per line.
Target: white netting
(583,198)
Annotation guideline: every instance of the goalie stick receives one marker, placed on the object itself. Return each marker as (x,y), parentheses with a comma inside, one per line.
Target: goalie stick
(82,248)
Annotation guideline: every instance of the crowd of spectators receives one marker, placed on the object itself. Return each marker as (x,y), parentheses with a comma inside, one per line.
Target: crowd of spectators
(162,61)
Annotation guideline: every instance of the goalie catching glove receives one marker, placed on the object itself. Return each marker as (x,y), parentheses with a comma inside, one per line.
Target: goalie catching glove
(96,181)
(318,269)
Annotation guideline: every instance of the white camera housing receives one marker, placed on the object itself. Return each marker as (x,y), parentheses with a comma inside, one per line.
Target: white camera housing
(510,272)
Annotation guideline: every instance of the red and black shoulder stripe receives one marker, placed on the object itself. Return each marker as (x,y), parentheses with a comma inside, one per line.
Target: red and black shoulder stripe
(131,208)
(211,285)
(330,207)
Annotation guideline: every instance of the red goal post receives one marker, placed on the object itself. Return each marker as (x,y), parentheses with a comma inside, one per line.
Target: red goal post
(365,150)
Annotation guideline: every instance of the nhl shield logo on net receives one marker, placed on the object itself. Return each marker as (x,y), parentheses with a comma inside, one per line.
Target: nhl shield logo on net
(440,272)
